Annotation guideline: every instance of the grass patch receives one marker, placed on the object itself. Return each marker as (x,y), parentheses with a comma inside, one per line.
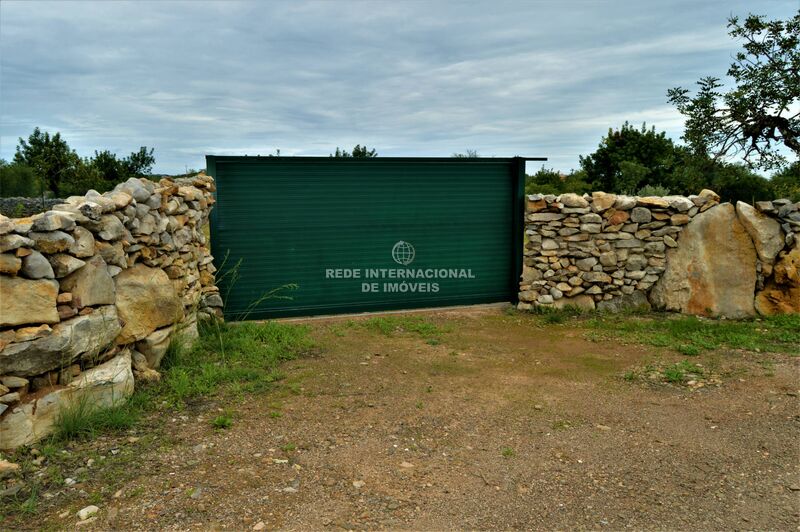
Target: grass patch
(416,325)
(682,371)
(223,421)
(82,420)
(690,335)
(507,452)
(243,356)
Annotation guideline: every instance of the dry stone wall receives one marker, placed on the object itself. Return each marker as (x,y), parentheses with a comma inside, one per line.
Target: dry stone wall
(91,293)
(684,254)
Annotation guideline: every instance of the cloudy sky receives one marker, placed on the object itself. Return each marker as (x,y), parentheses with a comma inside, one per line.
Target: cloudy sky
(411,78)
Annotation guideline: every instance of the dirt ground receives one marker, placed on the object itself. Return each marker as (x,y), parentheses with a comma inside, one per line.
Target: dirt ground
(501,423)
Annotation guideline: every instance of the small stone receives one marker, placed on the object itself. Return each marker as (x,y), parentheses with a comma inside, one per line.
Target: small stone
(586,264)
(36,266)
(406,464)
(52,241)
(572,200)
(83,246)
(358,484)
(87,512)
(12,242)
(653,201)
(549,244)
(10,264)
(546,217)
(64,264)
(591,228)
(602,201)
(608,258)
(52,221)
(640,215)
(11,382)
(619,217)
(8,469)
(260,526)
(596,277)
(709,195)
(625,203)
(9,398)
(679,219)
(26,334)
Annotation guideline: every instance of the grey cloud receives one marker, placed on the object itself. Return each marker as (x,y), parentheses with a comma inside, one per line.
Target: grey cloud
(410,78)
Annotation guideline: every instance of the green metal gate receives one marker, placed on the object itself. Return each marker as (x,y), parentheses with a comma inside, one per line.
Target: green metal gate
(360,235)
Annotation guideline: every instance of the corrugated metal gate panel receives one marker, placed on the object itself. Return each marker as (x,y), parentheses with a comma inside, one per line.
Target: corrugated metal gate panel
(292,220)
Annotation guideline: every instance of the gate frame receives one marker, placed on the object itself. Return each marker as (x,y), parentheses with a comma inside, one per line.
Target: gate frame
(517,200)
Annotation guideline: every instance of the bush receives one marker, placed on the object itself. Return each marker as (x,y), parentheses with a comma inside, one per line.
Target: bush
(653,190)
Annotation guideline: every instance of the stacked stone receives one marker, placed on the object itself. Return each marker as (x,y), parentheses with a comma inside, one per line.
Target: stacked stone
(585,250)
(775,229)
(99,281)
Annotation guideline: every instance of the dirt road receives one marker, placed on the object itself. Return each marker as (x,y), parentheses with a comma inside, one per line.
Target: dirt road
(498,423)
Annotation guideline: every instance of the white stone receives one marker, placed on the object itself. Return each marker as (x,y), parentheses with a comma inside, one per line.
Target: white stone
(106,385)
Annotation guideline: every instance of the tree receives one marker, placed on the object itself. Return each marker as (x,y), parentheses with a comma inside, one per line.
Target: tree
(17,179)
(786,183)
(140,163)
(627,159)
(760,113)
(50,158)
(550,181)
(359,152)
(64,172)
(468,154)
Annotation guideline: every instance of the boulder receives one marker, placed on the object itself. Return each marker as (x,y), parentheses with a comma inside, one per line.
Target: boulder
(82,336)
(106,385)
(633,302)
(36,266)
(146,301)
(154,346)
(25,301)
(781,295)
(713,269)
(90,285)
(765,231)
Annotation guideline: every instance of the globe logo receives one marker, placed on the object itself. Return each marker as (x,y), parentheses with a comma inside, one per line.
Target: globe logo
(403,253)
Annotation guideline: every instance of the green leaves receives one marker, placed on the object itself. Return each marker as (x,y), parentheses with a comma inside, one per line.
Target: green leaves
(758,116)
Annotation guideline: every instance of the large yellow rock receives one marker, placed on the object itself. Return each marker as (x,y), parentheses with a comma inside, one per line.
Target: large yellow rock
(146,301)
(27,301)
(712,272)
(781,295)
